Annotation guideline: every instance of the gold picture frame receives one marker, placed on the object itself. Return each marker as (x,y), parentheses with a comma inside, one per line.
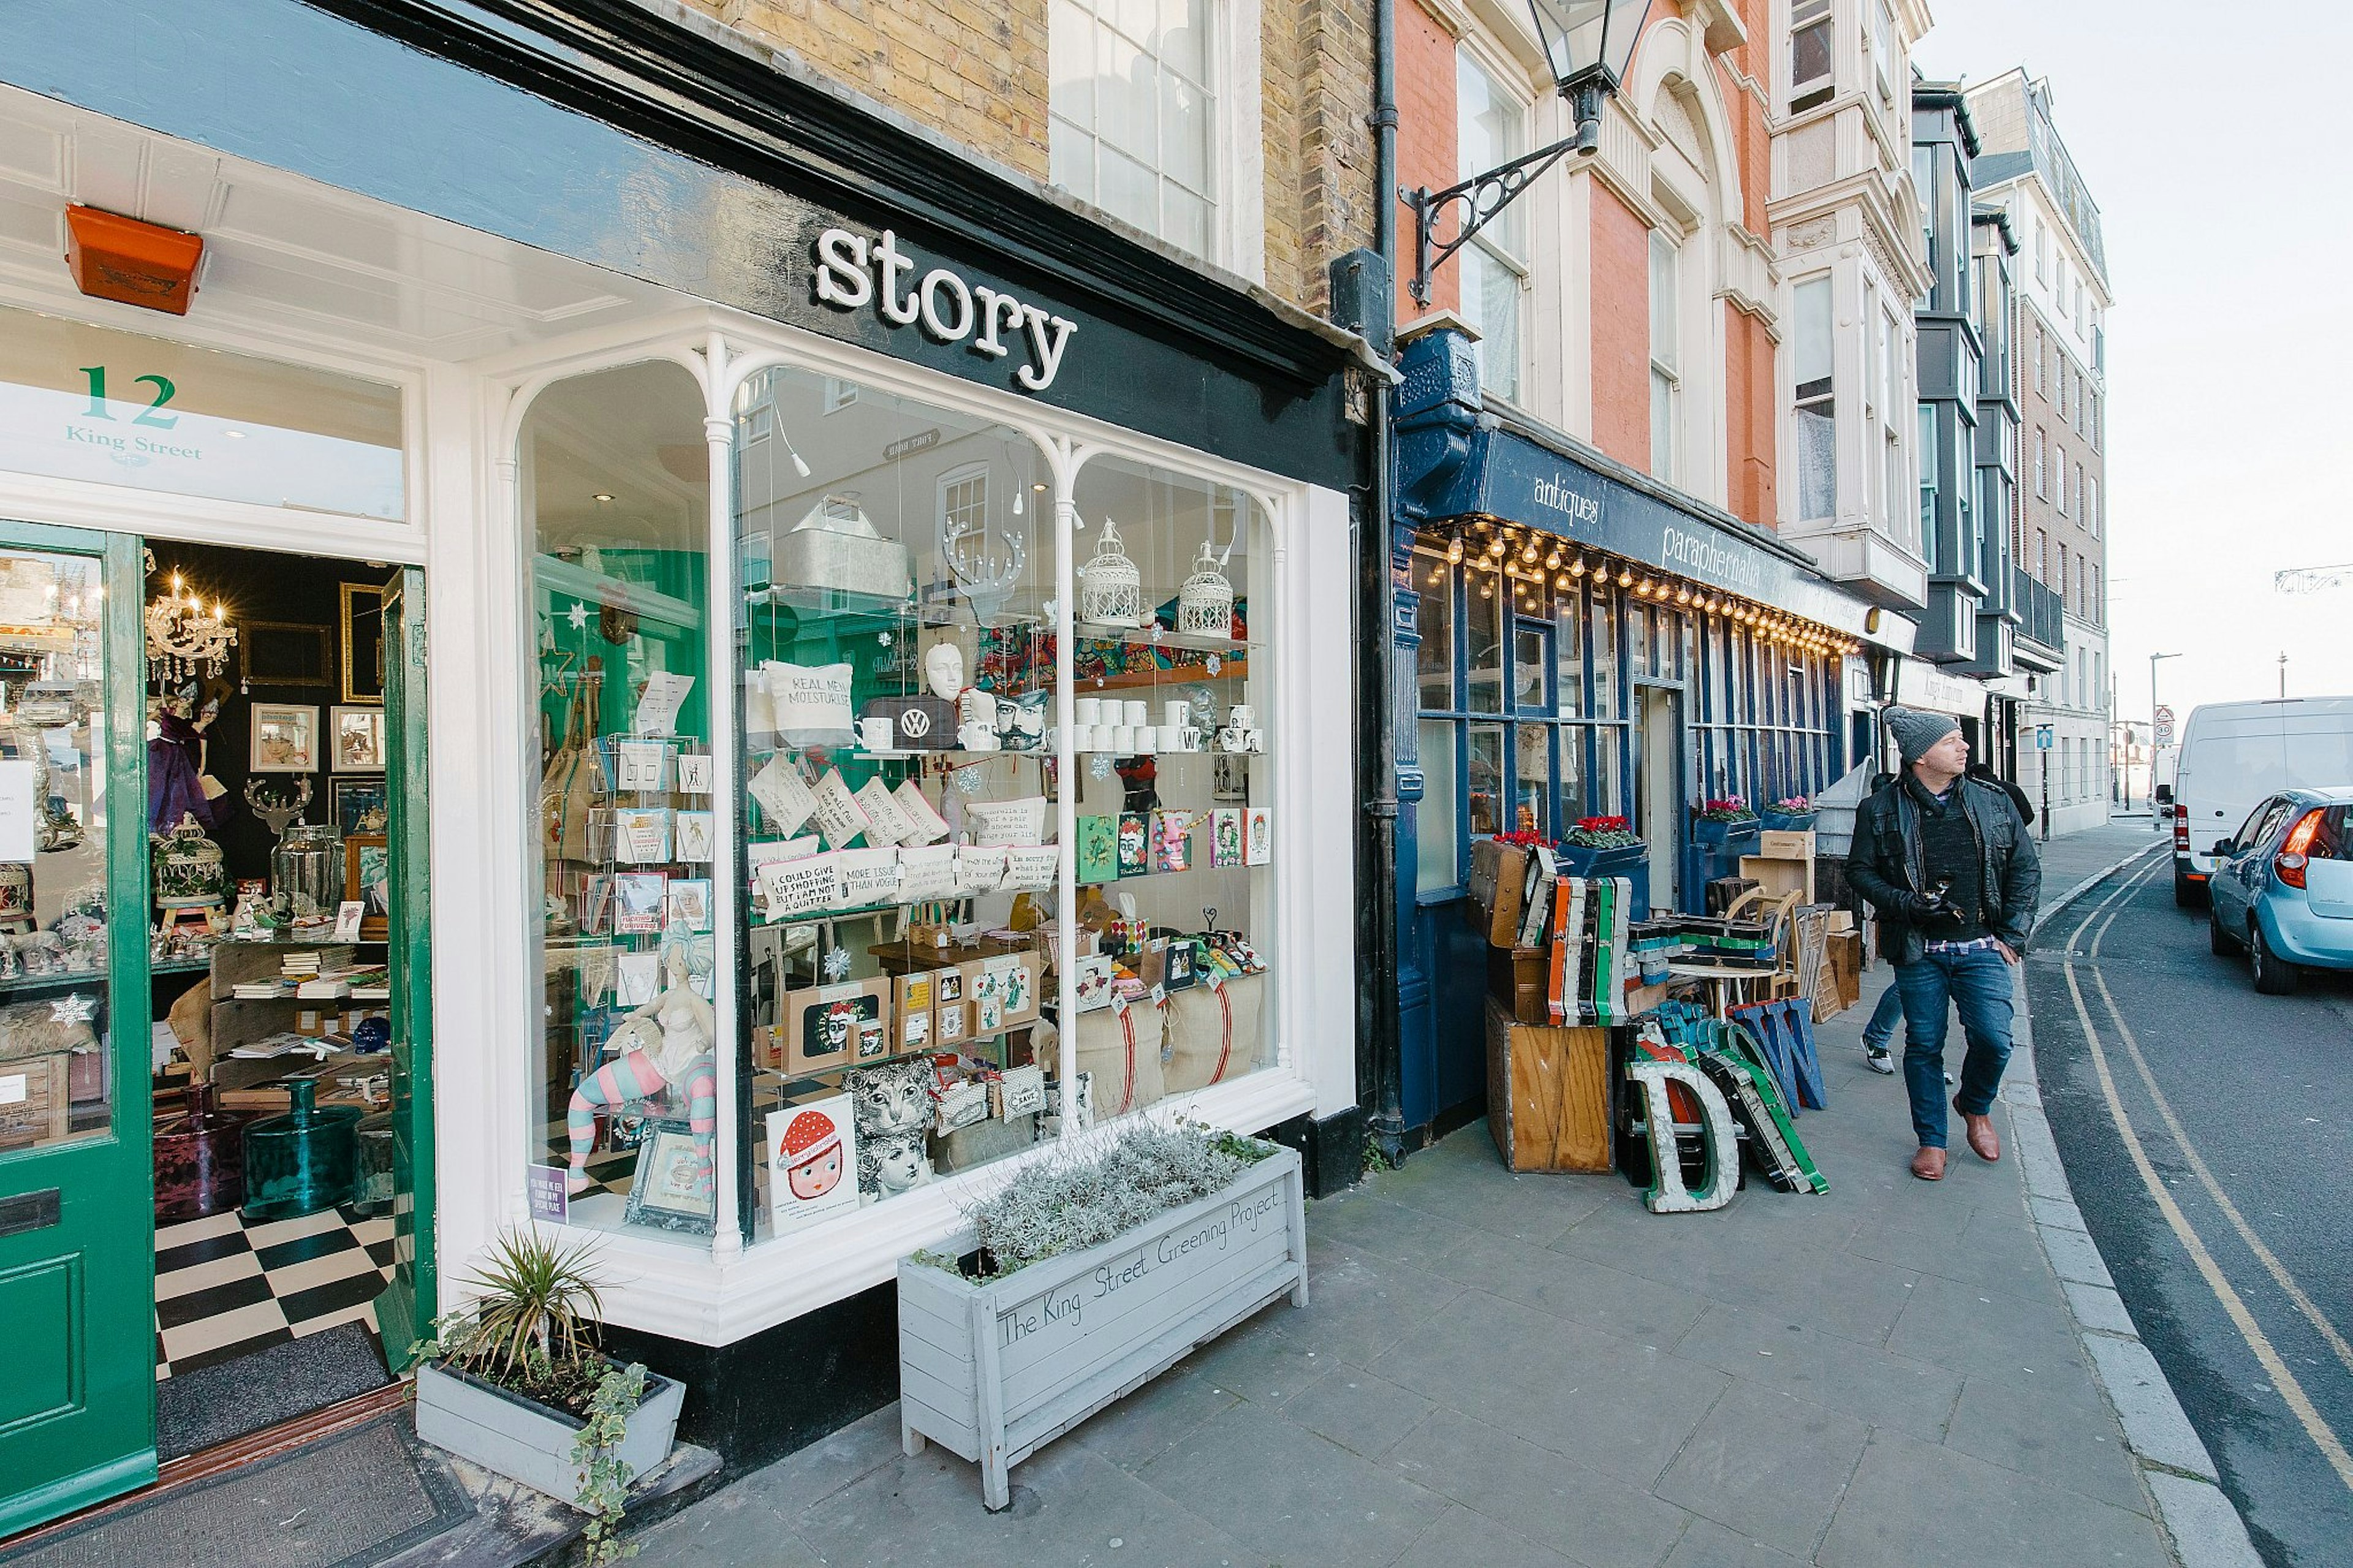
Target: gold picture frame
(361,615)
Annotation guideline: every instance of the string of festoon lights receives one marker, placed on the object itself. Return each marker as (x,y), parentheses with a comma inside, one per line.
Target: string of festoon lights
(1530,558)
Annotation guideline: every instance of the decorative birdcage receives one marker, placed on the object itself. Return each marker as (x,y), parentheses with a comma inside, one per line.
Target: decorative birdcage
(1111,590)
(1204,605)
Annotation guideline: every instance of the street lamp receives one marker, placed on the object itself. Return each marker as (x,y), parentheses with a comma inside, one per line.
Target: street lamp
(1587,44)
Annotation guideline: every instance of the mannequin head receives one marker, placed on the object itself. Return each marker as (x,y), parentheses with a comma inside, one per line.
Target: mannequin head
(944,671)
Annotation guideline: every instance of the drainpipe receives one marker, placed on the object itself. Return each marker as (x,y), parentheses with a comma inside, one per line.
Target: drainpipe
(1379,1049)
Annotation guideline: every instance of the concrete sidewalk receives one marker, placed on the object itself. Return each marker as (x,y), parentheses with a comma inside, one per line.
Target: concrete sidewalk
(1532,1370)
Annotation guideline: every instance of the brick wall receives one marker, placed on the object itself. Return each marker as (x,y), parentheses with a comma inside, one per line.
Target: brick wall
(1428,154)
(976,72)
(1622,329)
(2042,521)
(1750,391)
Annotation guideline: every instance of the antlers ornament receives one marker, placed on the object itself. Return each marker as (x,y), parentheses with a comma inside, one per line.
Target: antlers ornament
(279,814)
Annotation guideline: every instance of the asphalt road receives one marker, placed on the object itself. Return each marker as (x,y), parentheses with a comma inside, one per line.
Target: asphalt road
(2256,1157)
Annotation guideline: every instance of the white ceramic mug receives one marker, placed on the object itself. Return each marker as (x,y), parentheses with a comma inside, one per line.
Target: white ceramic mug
(1189,739)
(1136,712)
(1178,712)
(874,733)
(1147,740)
(1122,739)
(1089,710)
(1169,738)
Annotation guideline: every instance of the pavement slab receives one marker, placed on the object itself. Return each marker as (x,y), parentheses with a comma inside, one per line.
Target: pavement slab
(1532,1371)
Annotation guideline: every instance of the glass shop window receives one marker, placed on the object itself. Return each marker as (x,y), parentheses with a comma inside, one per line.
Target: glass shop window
(1434,660)
(78,402)
(1484,779)
(1637,640)
(1532,803)
(615,499)
(1605,656)
(1438,837)
(1482,622)
(1569,652)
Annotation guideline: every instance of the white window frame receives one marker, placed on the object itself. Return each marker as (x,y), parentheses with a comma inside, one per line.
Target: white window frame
(1804,17)
(956,478)
(1666,357)
(1822,402)
(2042,458)
(1491,245)
(1235,174)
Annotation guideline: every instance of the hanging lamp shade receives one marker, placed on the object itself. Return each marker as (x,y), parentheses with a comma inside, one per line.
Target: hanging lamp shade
(1587,44)
(1111,590)
(1204,605)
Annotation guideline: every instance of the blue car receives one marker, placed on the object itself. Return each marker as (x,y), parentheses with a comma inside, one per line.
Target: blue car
(2283,887)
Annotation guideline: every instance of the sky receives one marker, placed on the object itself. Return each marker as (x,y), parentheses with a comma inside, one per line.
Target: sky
(2209,145)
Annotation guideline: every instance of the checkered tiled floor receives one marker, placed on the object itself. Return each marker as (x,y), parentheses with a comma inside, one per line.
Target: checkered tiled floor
(224,1288)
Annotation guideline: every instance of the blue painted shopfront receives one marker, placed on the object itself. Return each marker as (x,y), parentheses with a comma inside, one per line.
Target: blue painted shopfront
(1556,651)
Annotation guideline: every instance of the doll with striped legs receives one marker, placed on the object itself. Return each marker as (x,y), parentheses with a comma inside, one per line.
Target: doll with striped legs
(665,1044)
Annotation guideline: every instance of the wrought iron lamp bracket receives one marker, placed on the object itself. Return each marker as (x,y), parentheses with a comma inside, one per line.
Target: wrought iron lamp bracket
(1481,198)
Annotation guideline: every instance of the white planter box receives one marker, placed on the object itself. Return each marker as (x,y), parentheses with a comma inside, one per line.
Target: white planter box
(528,1442)
(993,1371)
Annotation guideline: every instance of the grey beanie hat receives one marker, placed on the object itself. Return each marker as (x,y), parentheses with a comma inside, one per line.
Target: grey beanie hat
(1916,732)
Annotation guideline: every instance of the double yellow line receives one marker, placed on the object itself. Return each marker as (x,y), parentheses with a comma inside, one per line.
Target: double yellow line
(2331,1447)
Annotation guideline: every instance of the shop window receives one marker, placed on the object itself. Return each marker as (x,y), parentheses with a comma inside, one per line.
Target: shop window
(1532,800)
(1133,113)
(1605,699)
(78,402)
(1437,826)
(1483,778)
(1434,660)
(1491,130)
(616,501)
(1483,625)
(1568,654)
(1817,407)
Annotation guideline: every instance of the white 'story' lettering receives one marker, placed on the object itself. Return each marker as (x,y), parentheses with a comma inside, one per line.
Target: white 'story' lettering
(853,272)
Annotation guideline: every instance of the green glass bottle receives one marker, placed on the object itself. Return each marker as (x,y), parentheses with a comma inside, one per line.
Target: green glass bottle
(302,1162)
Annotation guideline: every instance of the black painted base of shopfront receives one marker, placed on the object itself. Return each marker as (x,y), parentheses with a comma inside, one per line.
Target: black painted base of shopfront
(1332,1150)
(784,1388)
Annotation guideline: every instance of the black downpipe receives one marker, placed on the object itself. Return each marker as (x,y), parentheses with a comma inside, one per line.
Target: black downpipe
(1379,1049)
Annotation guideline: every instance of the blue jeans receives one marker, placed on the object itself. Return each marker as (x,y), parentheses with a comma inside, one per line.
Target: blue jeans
(1977,984)
(1883,1019)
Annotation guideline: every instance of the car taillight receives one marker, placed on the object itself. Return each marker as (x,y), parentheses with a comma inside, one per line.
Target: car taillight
(2181,828)
(2289,862)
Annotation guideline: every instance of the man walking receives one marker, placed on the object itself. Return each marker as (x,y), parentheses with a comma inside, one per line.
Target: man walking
(1948,866)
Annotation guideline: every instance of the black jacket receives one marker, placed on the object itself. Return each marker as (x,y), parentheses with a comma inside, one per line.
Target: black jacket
(1883,864)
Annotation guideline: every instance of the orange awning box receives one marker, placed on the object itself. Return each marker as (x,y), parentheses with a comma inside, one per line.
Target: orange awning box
(138,263)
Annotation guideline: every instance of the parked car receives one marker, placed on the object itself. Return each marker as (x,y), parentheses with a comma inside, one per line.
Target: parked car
(2282,887)
(2236,755)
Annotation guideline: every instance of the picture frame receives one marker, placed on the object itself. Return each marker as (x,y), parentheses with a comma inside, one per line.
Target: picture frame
(357,735)
(284,738)
(361,805)
(361,614)
(285,653)
(662,1191)
(367,879)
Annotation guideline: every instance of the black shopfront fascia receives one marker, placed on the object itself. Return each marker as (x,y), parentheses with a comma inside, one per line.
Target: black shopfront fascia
(603,131)
(600,131)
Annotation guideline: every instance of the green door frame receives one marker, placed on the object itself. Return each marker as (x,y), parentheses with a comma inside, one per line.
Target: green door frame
(83,1283)
(405,1312)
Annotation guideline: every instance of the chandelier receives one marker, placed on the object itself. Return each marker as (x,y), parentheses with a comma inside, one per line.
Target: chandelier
(185,640)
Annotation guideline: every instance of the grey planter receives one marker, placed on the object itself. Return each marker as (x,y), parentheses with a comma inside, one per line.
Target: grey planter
(528,1442)
(993,1372)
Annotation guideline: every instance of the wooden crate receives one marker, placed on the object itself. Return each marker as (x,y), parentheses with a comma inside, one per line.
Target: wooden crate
(1779,844)
(36,1102)
(1548,1095)
(1778,878)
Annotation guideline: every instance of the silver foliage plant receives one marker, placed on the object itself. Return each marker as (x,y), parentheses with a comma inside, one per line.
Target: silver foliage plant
(1070,1203)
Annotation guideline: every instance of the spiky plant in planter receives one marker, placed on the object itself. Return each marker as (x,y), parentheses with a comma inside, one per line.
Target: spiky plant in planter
(1070,1204)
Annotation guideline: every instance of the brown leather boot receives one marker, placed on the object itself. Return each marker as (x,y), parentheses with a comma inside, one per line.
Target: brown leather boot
(1928,1165)
(1983,1140)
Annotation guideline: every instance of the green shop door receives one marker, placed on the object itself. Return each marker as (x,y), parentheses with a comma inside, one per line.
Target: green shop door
(403,1313)
(76,1209)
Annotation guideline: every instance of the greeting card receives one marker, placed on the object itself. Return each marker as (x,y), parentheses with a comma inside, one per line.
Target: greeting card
(688,903)
(1172,840)
(640,899)
(696,834)
(694,774)
(812,1162)
(640,765)
(1226,836)
(1098,850)
(1134,845)
(1258,836)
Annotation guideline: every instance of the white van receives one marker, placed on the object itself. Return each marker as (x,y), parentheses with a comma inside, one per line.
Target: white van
(2233,754)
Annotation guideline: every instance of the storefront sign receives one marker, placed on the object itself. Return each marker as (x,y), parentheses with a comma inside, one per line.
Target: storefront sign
(1919,685)
(949,310)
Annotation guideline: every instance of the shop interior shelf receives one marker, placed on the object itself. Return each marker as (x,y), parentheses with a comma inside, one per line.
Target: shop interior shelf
(561,576)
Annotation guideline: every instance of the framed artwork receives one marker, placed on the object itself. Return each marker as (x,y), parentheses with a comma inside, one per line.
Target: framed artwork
(367,879)
(362,805)
(363,643)
(284,739)
(285,653)
(672,1187)
(359,739)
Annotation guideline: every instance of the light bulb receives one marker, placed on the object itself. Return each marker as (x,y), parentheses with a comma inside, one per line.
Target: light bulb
(1552,561)
(1577,568)
(1495,547)
(1562,580)
(1530,552)
(1454,552)
(1683,595)
(1625,578)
